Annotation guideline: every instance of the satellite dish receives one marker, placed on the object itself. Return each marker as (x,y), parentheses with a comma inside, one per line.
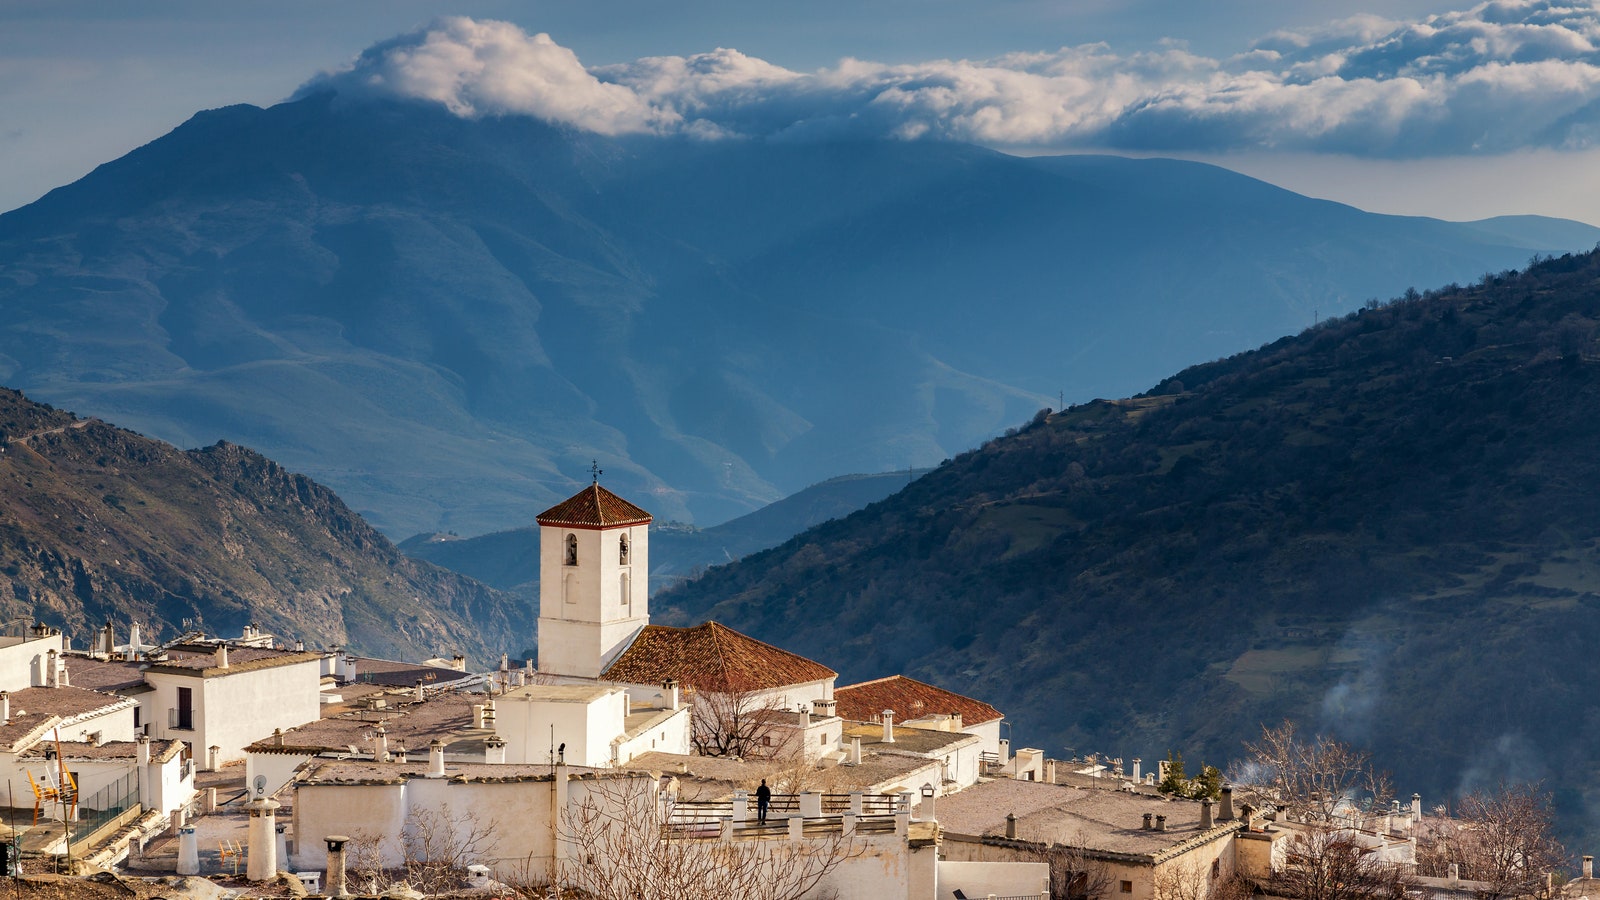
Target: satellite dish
(261,785)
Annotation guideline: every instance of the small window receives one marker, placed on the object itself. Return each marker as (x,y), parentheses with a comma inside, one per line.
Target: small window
(623,550)
(572,549)
(1216,868)
(1126,887)
(822,740)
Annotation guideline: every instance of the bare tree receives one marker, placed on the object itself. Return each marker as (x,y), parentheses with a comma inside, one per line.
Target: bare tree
(622,849)
(430,854)
(1323,863)
(1183,879)
(1075,874)
(1319,780)
(746,724)
(1503,839)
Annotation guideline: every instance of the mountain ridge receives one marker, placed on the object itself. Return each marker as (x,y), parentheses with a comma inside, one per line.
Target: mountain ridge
(447,319)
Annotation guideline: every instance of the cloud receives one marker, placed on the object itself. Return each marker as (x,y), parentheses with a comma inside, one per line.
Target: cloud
(1501,76)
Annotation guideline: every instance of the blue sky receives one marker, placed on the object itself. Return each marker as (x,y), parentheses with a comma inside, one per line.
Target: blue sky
(1460,111)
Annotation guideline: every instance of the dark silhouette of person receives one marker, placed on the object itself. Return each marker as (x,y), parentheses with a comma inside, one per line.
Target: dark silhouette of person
(763,800)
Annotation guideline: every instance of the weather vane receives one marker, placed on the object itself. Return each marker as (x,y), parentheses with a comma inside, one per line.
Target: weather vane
(594,466)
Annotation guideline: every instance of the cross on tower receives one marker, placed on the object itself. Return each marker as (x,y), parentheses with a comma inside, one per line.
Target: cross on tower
(594,466)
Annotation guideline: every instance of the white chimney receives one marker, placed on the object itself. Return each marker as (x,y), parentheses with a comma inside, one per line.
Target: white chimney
(494,751)
(222,656)
(670,687)
(1136,762)
(299,645)
(888,726)
(5,707)
(420,695)
(142,749)
(855,750)
(1588,867)
(52,669)
(133,640)
(349,674)
(477,715)
(383,744)
(436,759)
(1416,809)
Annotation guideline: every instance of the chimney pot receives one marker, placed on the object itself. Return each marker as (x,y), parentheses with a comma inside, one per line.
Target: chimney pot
(1226,813)
(1161,823)
(1588,867)
(1206,820)
(222,656)
(888,726)
(1011,826)
(1147,819)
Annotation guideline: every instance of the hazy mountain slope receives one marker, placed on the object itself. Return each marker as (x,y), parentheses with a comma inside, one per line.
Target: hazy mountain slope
(509,559)
(1384,527)
(447,319)
(99,523)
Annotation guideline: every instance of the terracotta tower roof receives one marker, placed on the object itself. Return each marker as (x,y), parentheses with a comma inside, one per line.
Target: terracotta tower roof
(594,507)
(713,658)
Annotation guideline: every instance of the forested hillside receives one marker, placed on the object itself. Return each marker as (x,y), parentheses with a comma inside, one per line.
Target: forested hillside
(1384,527)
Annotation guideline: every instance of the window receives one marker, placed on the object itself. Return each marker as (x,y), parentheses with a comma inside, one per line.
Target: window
(572,549)
(623,550)
(1216,868)
(186,708)
(1126,887)
(822,740)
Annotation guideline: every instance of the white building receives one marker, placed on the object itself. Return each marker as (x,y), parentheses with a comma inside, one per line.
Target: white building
(214,696)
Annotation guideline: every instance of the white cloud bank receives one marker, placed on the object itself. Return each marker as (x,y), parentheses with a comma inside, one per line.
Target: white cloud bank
(1501,76)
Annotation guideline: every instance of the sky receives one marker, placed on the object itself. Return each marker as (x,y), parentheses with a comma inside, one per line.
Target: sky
(1457,110)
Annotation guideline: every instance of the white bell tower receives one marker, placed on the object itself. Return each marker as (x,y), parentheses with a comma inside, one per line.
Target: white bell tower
(594,592)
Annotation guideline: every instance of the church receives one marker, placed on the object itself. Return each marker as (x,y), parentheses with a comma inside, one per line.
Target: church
(609,685)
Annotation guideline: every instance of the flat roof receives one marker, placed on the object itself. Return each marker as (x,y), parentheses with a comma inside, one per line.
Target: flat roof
(559,693)
(907,739)
(1102,821)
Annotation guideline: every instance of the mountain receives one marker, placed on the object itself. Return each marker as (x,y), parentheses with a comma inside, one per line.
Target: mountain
(1383,528)
(508,560)
(100,524)
(446,319)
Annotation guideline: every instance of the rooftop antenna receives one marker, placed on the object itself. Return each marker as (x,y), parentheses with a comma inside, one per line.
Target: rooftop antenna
(594,467)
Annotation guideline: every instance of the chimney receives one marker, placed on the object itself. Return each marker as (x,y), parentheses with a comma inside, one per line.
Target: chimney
(420,696)
(1161,823)
(299,645)
(277,737)
(108,639)
(141,744)
(888,726)
(52,669)
(670,689)
(458,662)
(1147,820)
(1227,804)
(1011,826)
(1136,775)
(855,750)
(133,641)
(5,707)
(1205,815)
(1050,771)
(349,674)
(1416,809)
(436,759)
(477,715)
(383,743)
(222,656)
(1588,867)
(336,878)
(505,663)
(400,755)
(825,708)
(488,714)
(494,751)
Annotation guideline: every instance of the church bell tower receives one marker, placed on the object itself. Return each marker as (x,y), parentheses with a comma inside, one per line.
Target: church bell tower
(594,555)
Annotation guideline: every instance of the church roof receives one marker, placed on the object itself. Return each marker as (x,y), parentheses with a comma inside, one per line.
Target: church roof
(594,507)
(711,657)
(910,699)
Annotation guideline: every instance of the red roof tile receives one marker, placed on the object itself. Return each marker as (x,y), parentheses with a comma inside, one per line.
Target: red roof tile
(910,699)
(711,657)
(594,507)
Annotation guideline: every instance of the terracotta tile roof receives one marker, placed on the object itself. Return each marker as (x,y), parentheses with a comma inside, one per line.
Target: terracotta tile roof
(711,657)
(594,507)
(910,699)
